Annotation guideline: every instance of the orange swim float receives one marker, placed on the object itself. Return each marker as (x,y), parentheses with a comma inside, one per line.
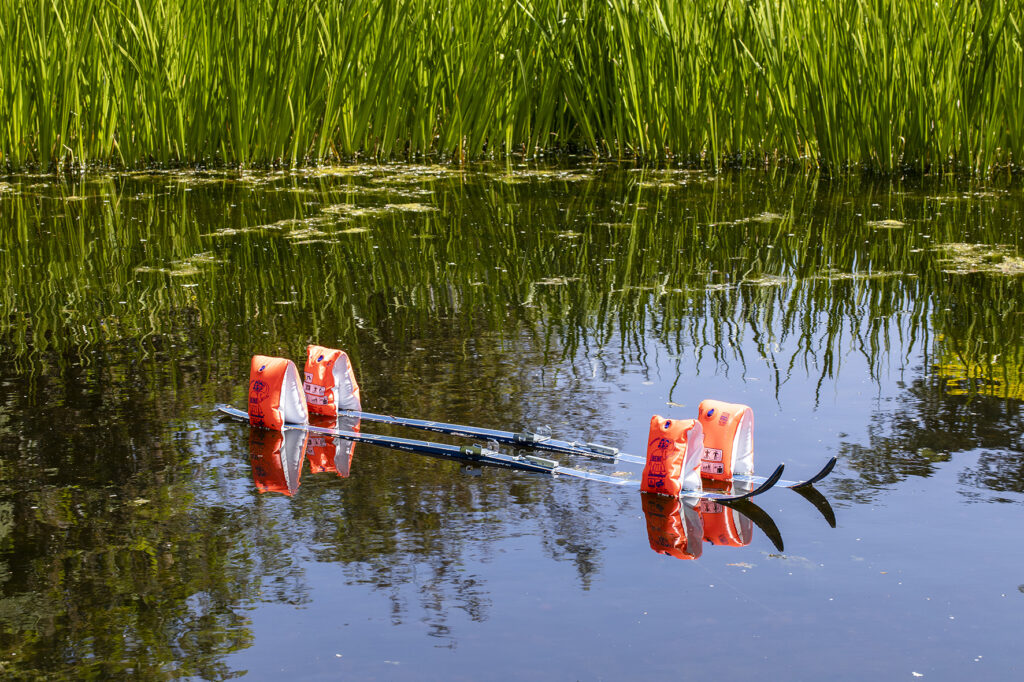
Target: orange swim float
(728,439)
(674,447)
(275,398)
(330,383)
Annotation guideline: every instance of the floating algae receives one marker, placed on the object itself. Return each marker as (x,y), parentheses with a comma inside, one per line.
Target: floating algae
(659,184)
(963,258)
(516,177)
(182,268)
(763,218)
(306,233)
(766,281)
(887,224)
(337,171)
(411,208)
(834,276)
(287,223)
(352,211)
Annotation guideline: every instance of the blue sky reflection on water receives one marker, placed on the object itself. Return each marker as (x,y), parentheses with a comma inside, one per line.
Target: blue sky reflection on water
(917,576)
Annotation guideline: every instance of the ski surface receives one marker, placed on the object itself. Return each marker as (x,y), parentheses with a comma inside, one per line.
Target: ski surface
(533,440)
(480,455)
(825,471)
(520,439)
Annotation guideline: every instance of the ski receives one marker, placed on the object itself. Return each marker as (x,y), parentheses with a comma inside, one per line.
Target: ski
(477,454)
(825,471)
(529,439)
(521,439)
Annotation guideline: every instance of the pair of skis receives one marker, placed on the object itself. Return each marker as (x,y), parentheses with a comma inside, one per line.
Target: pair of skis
(476,454)
(529,439)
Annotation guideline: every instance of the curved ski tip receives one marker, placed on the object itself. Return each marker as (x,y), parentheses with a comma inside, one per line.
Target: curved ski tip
(764,487)
(825,471)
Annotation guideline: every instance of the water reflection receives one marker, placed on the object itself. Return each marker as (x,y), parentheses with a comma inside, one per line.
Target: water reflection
(130,305)
(330,454)
(277,459)
(679,527)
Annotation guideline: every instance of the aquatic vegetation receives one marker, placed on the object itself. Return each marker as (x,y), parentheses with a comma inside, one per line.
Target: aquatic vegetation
(410,208)
(964,258)
(880,84)
(887,224)
(186,267)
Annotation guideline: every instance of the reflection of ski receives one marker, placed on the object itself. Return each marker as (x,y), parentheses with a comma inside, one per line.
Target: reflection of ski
(825,471)
(480,455)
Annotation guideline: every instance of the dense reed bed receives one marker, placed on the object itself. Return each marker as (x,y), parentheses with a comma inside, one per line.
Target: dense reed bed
(879,84)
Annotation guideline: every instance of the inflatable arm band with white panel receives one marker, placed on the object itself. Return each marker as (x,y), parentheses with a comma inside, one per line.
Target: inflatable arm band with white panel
(674,448)
(728,439)
(275,396)
(330,384)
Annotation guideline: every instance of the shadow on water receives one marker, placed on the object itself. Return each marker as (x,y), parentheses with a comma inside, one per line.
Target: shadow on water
(132,303)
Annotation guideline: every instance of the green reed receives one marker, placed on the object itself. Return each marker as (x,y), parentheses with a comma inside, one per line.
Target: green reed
(880,84)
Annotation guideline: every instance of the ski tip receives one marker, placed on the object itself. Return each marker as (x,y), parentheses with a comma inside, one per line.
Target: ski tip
(825,471)
(764,487)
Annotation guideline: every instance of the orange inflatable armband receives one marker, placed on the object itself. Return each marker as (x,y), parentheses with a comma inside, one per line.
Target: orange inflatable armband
(330,382)
(330,453)
(728,439)
(276,459)
(673,457)
(673,526)
(274,395)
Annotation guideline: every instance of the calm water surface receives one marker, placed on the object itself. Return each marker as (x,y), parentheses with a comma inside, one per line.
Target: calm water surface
(880,323)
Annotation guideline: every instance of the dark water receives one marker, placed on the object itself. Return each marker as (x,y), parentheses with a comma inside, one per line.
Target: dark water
(134,541)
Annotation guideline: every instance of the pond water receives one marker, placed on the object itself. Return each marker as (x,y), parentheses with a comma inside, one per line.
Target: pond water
(878,322)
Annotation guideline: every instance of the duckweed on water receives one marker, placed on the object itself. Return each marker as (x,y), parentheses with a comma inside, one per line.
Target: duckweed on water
(182,268)
(766,281)
(963,258)
(410,208)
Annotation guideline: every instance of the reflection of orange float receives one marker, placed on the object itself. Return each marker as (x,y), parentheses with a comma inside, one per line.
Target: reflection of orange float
(674,526)
(724,526)
(678,527)
(329,453)
(276,459)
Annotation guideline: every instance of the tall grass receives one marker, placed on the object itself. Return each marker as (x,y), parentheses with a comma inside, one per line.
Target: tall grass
(881,84)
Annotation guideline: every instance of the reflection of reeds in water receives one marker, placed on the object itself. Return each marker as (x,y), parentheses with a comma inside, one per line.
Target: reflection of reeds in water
(800,270)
